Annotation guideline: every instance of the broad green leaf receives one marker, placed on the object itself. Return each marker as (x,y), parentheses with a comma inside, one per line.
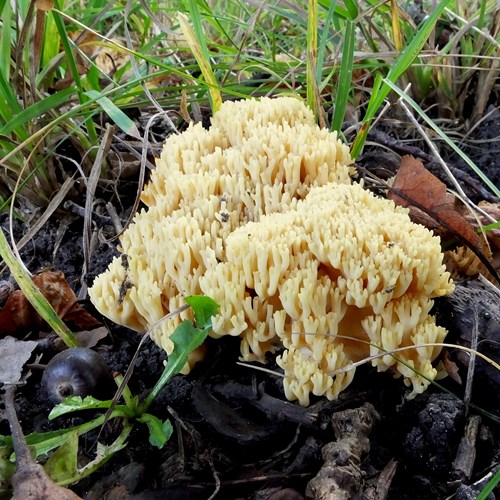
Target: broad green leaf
(44,442)
(203,309)
(62,464)
(103,454)
(159,432)
(186,338)
(75,403)
(72,474)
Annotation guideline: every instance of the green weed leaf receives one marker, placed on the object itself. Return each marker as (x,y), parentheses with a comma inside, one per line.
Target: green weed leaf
(62,464)
(7,469)
(75,403)
(203,309)
(159,432)
(186,338)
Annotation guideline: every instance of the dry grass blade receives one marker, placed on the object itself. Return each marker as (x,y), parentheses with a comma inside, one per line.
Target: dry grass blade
(197,44)
(393,352)
(142,172)
(48,212)
(91,185)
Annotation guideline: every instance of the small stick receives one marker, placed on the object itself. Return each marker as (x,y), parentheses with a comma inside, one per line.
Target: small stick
(80,211)
(30,480)
(466,454)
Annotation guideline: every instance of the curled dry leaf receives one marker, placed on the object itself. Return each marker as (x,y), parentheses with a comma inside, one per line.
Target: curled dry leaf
(111,58)
(429,202)
(432,206)
(18,316)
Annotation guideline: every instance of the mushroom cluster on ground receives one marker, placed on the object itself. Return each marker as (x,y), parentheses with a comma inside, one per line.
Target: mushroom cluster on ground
(259,212)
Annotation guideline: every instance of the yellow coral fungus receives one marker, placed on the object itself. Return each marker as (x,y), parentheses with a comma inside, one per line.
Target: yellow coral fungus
(341,263)
(258,213)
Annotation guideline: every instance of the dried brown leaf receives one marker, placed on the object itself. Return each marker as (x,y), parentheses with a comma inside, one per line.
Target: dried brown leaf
(17,352)
(18,316)
(430,204)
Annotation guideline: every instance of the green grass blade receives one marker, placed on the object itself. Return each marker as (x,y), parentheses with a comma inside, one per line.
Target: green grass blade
(51,41)
(115,113)
(352,8)
(33,294)
(402,63)
(443,136)
(5,38)
(35,111)
(344,85)
(323,41)
(70,58)
(198,45)
(490,486)
(10,104)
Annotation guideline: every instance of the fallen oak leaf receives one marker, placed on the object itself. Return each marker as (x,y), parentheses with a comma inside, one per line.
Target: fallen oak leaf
(419,186)
(428,200)
(491,229)
(18,315)
(431,205)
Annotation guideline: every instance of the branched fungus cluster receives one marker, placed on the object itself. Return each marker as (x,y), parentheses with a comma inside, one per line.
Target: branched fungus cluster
(259,213)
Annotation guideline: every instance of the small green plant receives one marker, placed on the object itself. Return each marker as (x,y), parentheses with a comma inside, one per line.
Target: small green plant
(62,445)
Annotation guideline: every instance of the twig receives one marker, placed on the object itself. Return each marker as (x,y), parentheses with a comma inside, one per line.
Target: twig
(472,362)
(72,207)
(466,455)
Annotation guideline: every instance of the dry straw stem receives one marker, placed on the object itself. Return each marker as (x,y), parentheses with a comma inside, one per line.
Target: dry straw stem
(368,359)
(200,53)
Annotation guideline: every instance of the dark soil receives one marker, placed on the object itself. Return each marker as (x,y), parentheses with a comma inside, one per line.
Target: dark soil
(236,436)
